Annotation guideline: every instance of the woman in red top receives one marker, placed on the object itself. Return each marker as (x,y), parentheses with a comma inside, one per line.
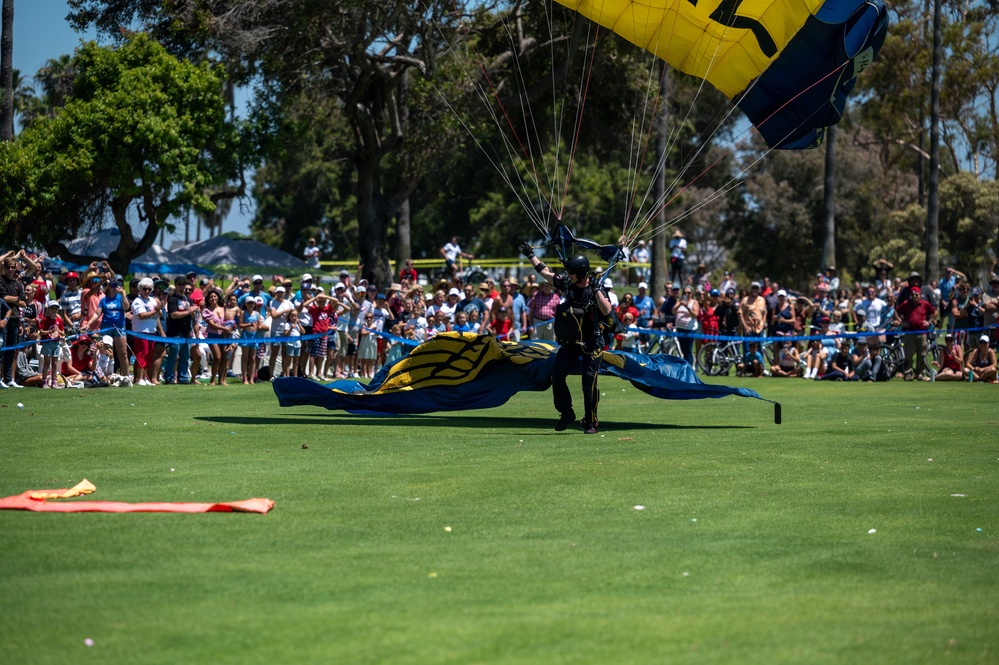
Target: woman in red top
(707,317)
(627,306)
(951,361)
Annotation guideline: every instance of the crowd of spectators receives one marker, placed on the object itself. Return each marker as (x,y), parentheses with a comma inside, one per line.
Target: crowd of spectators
(96,330)
(850,324)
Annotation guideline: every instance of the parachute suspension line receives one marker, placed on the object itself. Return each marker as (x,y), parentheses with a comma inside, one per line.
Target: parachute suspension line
(495,95)
(664,203)
(558,110)
(546,190)
(581,104)
(731,184)
(672,140)
(493,159)
(658,206)
(643,141)
(634,174)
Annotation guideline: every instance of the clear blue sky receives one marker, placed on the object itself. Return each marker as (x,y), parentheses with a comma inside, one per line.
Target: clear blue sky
(41,33)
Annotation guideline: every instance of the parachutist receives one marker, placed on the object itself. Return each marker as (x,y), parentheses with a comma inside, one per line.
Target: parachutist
(577,330)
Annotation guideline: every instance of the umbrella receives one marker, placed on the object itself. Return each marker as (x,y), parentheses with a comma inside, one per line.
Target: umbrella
(156,260)
(226,255)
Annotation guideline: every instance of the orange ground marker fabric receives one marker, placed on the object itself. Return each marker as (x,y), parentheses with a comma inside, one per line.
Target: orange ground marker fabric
(38,501)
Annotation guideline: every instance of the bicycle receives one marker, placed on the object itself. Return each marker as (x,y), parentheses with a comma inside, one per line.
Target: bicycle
(716,358)
(893,351)
(666,344)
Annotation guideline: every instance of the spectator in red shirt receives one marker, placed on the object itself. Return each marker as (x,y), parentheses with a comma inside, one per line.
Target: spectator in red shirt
(323,309)
(408,272)
(915,315)
(541,307)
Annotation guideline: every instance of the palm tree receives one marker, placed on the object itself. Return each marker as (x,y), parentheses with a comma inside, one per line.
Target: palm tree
(7,71)
(56,78)
(25,101)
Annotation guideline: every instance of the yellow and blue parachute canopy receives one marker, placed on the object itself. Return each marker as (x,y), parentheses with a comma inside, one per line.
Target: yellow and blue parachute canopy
(788,64)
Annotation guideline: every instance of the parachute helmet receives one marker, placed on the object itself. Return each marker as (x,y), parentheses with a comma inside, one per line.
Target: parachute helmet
(578,265)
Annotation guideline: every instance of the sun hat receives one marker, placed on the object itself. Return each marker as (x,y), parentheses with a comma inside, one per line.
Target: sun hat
(280,289)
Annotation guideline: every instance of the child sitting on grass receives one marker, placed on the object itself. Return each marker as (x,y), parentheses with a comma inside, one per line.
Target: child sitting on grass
(752,362)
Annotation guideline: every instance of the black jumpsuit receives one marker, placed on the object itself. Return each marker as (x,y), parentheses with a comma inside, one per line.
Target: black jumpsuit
(578,349)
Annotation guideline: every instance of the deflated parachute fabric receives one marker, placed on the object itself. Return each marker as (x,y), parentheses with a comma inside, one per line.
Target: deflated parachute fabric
(462,371)
(38,501)
(789,64)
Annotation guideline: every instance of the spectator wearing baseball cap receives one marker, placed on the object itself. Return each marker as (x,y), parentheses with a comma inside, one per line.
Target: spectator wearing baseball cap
(915,315)
(981,362)
(256,291)
(71,305)
(278,310)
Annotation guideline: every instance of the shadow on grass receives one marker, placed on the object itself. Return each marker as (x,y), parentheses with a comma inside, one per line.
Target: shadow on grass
(451,420)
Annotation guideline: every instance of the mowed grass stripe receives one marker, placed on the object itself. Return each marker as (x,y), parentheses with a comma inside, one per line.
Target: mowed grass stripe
(752,546)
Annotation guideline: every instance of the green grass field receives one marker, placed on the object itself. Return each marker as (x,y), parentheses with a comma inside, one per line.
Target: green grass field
(485,537)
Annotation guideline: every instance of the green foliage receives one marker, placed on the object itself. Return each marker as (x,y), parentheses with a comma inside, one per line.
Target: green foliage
(140,126)
(303,186)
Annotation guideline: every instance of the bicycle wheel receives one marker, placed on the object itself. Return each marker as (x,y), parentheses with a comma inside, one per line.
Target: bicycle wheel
(671,346)
(707,359)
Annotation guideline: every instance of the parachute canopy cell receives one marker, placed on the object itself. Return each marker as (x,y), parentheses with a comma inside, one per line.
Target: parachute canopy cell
(788,64)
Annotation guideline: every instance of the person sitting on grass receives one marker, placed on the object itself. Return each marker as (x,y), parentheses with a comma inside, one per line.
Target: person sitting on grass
(816,358)
(981,362)
(788,361)
(867,360)
(752,362)
(841,367)
(950,365)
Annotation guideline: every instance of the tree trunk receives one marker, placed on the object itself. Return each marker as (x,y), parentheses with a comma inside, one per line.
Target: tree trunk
(403,235)
(7,71)
(403,221)
(371,222)
(660,253)
(829,202)
(932,270)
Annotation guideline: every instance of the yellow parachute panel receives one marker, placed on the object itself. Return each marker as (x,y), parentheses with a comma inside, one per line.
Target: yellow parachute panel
(697,38)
